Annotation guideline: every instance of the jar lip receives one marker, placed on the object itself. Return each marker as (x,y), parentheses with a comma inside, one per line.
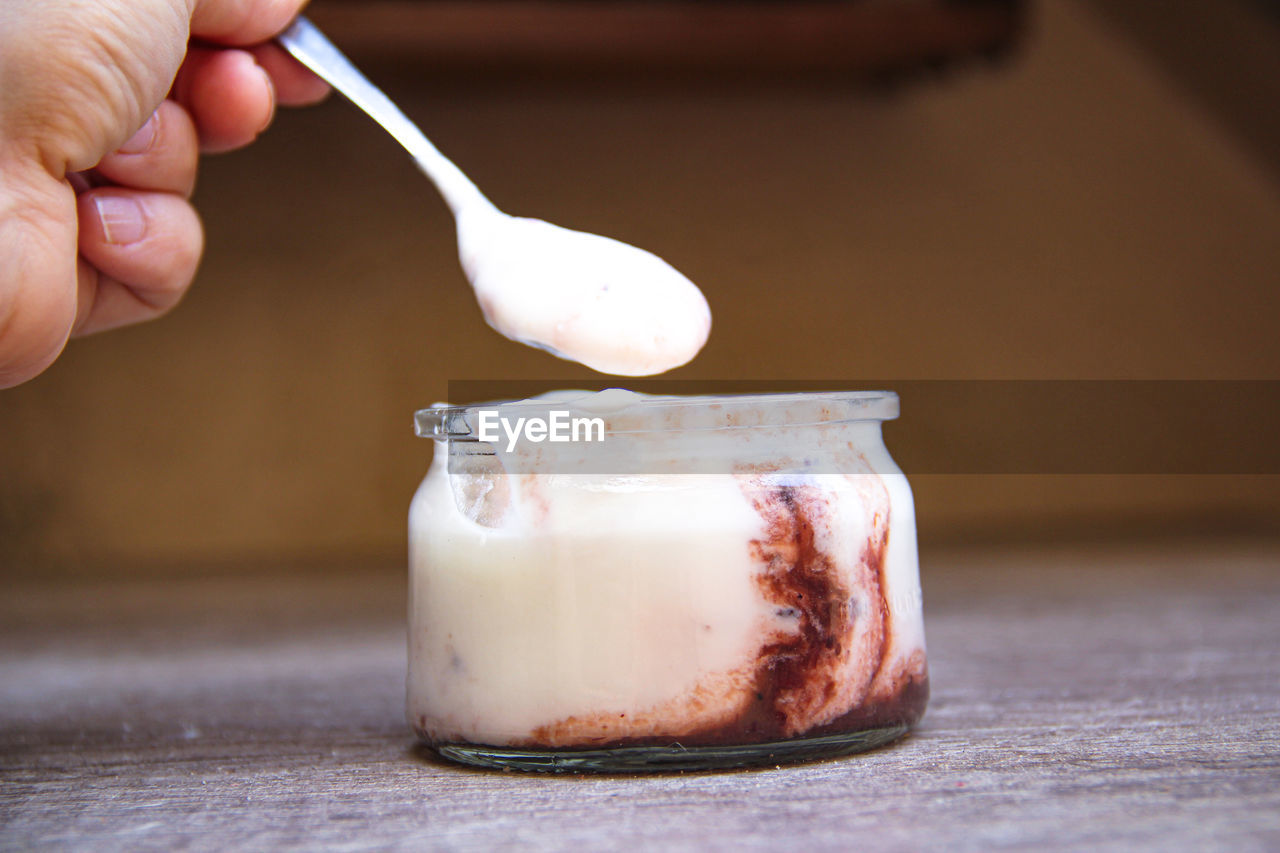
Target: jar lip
(669,413)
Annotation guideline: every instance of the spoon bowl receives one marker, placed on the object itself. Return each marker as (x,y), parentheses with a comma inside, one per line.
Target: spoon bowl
(609,305)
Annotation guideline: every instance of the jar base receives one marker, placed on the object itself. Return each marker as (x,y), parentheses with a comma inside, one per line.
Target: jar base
(656,759)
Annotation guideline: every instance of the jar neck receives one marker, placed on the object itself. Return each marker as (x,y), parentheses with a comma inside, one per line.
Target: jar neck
(833,448)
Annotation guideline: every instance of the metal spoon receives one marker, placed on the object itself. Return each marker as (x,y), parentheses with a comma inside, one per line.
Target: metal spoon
(613,307)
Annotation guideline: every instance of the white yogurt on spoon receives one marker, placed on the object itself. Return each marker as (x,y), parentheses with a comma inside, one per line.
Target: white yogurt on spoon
(613,307)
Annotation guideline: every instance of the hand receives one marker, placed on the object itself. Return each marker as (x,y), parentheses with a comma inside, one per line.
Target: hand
(104,109)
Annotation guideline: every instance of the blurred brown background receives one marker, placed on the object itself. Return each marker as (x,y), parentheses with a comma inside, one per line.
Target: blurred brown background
(1102,203)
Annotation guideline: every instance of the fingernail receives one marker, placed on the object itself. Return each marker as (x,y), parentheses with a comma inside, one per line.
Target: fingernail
(271,91)
(123,220)
(142,140)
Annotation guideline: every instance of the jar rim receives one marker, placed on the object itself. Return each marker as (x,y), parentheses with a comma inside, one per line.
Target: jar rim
(694,413)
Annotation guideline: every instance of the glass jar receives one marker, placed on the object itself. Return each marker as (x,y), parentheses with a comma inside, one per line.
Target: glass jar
(620,582)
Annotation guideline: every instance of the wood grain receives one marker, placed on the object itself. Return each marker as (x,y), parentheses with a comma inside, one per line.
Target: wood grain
(1113,698)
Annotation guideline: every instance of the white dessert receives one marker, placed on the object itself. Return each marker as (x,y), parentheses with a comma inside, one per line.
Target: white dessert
(576,607)
(613,307)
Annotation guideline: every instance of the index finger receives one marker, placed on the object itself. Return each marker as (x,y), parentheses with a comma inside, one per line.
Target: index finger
(295,84)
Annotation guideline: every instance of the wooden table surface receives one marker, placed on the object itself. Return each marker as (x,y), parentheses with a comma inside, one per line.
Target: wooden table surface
(1093,698)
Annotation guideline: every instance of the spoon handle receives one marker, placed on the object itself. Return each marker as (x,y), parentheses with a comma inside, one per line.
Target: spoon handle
(309,46)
